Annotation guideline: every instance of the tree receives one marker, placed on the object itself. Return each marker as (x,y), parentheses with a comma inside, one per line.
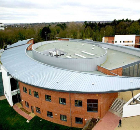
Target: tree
(45,33)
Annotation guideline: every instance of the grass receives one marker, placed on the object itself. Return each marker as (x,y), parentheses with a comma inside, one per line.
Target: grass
(11,120)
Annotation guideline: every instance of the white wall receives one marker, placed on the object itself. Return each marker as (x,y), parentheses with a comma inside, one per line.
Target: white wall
(7,85)
(131,110)
(121,38)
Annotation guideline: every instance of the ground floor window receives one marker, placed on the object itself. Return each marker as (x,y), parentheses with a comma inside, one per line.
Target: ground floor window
(78,120)
(63,117)
(38,110)
(92,105)
(26,104)
(49,114)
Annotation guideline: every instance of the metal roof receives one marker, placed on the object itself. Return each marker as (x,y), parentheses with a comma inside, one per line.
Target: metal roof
(21,67)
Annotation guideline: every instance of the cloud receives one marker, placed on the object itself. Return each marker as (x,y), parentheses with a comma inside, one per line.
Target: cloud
(70,10)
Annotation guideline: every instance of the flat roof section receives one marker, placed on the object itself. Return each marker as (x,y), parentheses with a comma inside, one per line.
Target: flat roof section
(84,50)
(116,59)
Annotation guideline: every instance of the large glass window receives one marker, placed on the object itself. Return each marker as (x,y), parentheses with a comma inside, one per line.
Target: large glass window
(49,114)
(78,103)
(63,117)
(62,101)
(25,89)
(78,120)
(36,94)
(38,110)
(48,98)
(26,104)
(92,105)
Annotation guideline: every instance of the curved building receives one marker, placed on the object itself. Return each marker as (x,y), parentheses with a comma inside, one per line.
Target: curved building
(68,81)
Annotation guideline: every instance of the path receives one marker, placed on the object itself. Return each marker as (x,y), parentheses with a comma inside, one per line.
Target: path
(109,122)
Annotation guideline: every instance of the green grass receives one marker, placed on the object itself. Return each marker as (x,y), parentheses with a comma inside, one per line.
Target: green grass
(11,120)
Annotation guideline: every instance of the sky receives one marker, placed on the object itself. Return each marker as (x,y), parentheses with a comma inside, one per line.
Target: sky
(38,11)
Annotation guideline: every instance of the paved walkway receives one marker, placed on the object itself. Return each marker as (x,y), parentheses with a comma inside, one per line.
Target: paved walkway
(22,113)
(109,122)
(2,97)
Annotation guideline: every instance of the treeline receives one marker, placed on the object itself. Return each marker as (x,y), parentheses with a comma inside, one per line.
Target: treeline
(86,30)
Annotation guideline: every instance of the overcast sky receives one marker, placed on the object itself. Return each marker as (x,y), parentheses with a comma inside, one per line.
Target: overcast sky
(32,11)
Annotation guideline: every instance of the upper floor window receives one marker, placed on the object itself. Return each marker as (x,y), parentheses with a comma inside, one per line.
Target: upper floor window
(36,94)
(78,103)
(25,89)
(26,104)
(62,101)
(38,110)
(92,105)
(29,91)
(63,117)
(49,114)
(78,120)
(48,98)
(115,41)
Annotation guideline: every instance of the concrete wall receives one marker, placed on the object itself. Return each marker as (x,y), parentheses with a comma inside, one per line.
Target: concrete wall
(131,110)
(7,85)
(70,110)
(78,64)
(124,40)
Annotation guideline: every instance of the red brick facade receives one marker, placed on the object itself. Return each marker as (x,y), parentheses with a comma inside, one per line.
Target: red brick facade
(109,40)
(69,109)
(113,72)
(30,42)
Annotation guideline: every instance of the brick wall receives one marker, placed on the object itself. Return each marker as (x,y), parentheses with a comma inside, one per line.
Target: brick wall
(30,42)
(117,71)
(70,110)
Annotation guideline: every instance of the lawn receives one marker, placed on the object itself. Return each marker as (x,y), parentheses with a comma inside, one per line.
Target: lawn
(11,120)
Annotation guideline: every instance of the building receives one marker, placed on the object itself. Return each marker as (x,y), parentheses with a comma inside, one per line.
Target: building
(124,40)
(1,26)
(68,81)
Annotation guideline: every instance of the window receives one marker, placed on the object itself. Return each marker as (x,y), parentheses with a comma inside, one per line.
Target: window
(38,110)
(112,41)
(25,89)
(92,105)
(115,41)
(63,117)
(48,98)
(29,91)
(36,94)
(120,41)
(26,104)
(78,120)
(78,103)
(62,101)
(49,114)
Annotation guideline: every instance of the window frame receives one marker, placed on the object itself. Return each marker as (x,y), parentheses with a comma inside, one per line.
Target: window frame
(30,92)
(35,92)
(37,108)
(48,98)
(26,104)
(24,89)
(62,101)
(49,113)
(78,121)
(78,104)
(92,105)
(63,117)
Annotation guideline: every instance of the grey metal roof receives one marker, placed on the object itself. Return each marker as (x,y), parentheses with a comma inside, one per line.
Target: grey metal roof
(27,70)
(19,43)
